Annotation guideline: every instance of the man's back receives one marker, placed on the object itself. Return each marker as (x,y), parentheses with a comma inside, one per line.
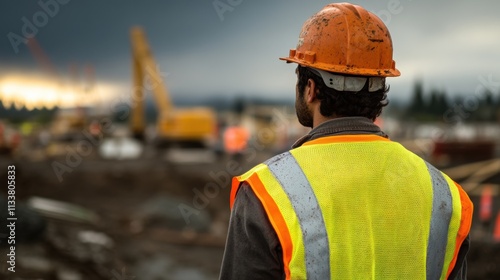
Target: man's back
(358,206)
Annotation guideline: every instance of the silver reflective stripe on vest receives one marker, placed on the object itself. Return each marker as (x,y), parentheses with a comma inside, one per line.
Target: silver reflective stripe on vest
(440,221)
(300,193)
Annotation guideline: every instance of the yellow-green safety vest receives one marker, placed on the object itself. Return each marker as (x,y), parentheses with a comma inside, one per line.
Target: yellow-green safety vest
(361,207)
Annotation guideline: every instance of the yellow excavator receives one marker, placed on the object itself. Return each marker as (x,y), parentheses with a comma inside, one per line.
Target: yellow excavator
(194,126)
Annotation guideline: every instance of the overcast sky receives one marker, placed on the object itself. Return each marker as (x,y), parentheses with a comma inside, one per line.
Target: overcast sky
(449,44)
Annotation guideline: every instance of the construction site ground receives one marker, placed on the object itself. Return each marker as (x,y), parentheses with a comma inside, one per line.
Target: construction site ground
(140,232)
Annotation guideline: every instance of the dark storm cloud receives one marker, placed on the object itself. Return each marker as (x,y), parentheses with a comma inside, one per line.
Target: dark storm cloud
(97,31)
(234,48)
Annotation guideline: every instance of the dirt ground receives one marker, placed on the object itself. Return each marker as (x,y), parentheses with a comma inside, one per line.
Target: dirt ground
(138,204)
(140,232)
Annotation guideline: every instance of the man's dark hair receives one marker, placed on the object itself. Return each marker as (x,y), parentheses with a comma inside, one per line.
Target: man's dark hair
(344,104)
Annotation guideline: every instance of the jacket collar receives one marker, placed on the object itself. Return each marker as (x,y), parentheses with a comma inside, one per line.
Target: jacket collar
(341,126)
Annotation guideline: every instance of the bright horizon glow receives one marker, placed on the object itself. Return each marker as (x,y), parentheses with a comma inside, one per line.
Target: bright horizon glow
(36,92)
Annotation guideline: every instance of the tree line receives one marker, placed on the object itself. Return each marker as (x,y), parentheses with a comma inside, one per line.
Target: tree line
(436,105)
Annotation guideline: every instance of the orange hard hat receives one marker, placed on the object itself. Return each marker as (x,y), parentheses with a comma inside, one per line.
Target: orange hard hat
(346,39)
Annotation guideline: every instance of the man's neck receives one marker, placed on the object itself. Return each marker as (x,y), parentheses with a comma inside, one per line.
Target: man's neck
(319,119)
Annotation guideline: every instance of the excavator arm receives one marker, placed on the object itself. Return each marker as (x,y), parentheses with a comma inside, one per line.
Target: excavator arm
(143,66)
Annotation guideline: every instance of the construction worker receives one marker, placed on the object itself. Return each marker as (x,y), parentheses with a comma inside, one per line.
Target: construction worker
(346,202)
(236,140)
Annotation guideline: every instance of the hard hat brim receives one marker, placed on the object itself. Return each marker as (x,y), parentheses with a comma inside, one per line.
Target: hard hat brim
(342,69)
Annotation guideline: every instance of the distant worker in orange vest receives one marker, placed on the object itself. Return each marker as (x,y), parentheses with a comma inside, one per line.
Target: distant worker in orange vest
(345,202)
(236,140)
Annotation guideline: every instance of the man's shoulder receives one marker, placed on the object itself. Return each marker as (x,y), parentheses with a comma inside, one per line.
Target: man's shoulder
(265,165)
(277,158)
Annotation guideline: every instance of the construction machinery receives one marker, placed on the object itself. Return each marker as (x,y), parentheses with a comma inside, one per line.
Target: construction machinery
(194,126)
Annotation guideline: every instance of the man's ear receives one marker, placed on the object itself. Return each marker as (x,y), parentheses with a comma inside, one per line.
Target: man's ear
(311,91)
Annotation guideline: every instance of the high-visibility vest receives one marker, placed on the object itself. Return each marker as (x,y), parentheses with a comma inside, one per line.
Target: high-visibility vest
(361,207)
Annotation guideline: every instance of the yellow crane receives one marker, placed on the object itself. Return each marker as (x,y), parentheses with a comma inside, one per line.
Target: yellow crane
(184,126)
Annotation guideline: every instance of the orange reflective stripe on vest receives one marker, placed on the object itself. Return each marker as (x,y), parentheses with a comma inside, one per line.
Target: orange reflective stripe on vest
(465,224)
